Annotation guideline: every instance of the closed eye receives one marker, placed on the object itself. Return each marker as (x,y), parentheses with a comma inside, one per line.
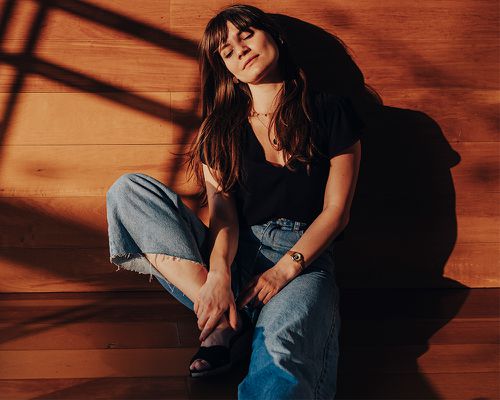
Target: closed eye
(231,52)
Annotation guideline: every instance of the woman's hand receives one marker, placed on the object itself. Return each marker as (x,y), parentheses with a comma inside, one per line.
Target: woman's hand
(267,284)
(213,299)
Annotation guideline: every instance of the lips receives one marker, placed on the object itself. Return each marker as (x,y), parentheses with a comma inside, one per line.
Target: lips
(249,61)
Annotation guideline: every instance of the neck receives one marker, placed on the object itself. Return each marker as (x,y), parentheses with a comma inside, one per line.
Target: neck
(265,96)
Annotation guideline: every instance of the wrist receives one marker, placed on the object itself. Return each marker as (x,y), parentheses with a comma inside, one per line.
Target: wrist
(297,259)
(219,265)
(290,267)
(220,273)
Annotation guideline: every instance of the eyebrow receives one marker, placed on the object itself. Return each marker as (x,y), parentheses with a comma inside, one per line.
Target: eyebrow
(227,44)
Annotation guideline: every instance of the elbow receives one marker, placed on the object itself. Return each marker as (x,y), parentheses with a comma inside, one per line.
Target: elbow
(221,221)
(341,216)
(344,221)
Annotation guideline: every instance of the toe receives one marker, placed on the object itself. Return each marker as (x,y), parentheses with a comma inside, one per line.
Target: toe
(199,365)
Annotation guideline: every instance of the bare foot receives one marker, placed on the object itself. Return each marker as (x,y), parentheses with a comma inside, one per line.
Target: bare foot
(221,335)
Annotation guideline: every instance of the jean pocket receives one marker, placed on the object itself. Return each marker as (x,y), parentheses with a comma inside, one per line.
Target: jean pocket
(283,240)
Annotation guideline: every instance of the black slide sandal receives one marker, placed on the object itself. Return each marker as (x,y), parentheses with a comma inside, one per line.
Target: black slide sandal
(222,358)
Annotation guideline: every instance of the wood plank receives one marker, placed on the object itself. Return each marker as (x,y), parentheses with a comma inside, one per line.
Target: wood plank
(88,335)
(45,364)
(433,60)
(64,170)
(410,304)
(67,270)
(393,332)
(89,363)
(62,222)
(102,118)
(440,265)
(105,65)
(89,269)
(87,170)
(88,118)
(100,19)
(449,386)
(169,118)
(441,305)
(350,386)
(450,110)
(446,358)
(69,23)
(79,66)
(161,334)
(418,21)
(110,307)
(139,388)
(53,222)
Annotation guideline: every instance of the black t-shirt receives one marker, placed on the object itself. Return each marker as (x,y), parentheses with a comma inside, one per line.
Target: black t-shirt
(274,191)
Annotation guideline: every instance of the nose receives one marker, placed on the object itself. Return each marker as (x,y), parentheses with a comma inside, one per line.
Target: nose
(241,51)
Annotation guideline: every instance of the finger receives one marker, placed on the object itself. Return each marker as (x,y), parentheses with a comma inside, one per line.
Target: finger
(199,311)
(252,282)
(246,290)
(202,320)
(261,295)
(233,316)
(196,306)
(268,297)
(249,296)
(209,326)
(199,308)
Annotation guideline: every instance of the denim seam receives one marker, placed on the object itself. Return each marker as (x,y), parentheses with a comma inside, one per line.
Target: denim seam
(260,245)
(326,351)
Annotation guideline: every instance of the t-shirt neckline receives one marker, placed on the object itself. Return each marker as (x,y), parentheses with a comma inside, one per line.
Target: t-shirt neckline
(260,149)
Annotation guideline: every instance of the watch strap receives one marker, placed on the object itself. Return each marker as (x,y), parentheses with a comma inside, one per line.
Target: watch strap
(301,262)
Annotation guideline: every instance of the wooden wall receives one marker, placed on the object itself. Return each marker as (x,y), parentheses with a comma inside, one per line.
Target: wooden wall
(92,90)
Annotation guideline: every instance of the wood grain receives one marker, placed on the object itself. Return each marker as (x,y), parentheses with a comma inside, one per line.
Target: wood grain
(77,120)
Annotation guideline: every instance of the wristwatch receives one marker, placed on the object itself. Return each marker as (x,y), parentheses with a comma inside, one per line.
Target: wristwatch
(298,258)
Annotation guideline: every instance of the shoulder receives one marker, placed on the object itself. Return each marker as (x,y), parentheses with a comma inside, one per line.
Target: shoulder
(328,101)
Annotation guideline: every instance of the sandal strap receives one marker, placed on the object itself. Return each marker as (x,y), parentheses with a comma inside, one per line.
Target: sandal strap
(216,355)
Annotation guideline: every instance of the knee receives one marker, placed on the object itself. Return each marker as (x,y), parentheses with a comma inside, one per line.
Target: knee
(134,184)
(122,186)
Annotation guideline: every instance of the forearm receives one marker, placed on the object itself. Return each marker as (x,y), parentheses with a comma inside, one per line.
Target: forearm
(224,244)
(317,237)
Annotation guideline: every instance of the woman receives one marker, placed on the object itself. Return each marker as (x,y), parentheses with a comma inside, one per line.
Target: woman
(278,166)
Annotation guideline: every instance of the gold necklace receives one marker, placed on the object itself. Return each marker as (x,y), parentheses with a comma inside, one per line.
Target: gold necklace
(256,114)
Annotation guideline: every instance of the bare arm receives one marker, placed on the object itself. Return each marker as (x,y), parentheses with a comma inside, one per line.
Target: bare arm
(339,193)
(215,297)
(223,227)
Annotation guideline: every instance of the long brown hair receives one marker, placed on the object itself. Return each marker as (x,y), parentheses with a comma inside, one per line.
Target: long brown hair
(226,105)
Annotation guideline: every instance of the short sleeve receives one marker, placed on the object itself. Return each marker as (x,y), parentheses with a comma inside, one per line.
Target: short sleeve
(344,126)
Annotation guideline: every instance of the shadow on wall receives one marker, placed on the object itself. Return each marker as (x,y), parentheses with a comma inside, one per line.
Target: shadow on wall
(402,230)
(403,223)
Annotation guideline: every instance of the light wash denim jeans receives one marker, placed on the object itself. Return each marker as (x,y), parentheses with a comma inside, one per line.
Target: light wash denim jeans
(295,345)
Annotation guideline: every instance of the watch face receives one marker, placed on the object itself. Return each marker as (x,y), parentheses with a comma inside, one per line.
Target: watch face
(297,256)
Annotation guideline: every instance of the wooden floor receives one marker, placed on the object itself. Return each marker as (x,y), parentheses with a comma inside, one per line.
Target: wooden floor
(395,344)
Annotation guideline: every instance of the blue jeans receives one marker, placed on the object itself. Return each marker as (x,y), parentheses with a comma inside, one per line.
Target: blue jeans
(295,345)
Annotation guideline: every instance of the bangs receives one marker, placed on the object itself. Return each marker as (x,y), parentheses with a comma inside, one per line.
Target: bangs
(217,31)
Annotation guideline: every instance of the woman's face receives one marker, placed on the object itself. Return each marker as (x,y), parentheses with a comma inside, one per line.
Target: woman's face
(245,46)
